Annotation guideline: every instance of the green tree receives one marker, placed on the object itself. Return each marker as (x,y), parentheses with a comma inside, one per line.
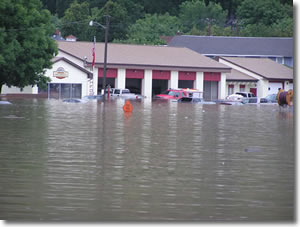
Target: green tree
(76,21)
(50,5)
(149,29)
(283,28)
(62,6)
(118,17)
(229,5)
(196,13)
(265,18)
(265,12)
(161,7)
(26,48)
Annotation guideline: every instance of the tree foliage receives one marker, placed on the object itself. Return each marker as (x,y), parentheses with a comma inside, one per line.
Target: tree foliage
(266,12)
(136,20)
(117,12)
(26,48)
(196,13)
(265,18)
(149,29)
(76,21)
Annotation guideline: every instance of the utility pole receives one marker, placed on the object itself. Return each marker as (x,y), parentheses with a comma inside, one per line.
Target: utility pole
(105,51)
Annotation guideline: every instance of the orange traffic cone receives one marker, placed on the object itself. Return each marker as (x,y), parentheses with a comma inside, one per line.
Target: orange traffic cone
(127,107)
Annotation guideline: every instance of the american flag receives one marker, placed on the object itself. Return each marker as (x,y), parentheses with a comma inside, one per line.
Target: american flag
(93,51)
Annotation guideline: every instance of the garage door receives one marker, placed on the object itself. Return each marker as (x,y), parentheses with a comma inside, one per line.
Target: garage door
(210,90)
(274,87)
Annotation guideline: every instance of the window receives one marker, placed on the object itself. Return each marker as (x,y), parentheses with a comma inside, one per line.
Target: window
(171,93)
(64,91)
(117,91)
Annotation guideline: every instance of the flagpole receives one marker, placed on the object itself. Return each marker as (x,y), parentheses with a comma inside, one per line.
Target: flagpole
(105,47)
(94,52)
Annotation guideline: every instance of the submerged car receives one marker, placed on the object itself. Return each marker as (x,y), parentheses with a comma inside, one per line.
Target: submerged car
(93,97)
(244,97)
(171,94)
(272,98)
(194,96)
(75,100)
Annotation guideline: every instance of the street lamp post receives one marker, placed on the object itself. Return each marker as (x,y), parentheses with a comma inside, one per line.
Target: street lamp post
(92,23)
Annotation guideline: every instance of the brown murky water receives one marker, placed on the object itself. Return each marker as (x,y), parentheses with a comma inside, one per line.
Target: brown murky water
(165,161)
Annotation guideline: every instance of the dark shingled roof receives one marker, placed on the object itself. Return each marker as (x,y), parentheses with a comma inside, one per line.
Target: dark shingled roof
(236,46)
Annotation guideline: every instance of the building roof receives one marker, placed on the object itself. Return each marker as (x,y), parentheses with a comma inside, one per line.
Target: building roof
(57,59)
(263,67)
(236,46)
(143,57)
(239,76)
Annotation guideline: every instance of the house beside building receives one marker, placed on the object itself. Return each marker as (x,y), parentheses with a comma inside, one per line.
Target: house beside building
(260,76)
(275,48)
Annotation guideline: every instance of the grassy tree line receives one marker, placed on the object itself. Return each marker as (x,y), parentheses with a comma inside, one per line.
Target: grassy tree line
(143,22)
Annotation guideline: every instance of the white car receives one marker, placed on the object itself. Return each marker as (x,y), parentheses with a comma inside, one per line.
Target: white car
(235,97)
(245,97)
(124,93)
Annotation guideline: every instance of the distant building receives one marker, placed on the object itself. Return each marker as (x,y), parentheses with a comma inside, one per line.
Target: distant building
(277,49)
(71,38)
(57,36)
(260,76)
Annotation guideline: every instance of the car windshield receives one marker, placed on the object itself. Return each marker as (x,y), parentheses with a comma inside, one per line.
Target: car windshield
(168,92)
(242,94)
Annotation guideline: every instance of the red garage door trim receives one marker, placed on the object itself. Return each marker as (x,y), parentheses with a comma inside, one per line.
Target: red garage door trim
(135,73)
(110,73)
(161,75)
(209,76)
(182,75)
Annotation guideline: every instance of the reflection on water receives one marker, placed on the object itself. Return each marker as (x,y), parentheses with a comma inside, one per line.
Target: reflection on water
(164,161)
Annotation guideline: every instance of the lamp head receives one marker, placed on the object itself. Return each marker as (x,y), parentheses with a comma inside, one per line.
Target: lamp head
(91,23)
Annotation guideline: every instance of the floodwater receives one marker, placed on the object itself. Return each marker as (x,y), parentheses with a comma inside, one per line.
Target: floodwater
(165,161)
